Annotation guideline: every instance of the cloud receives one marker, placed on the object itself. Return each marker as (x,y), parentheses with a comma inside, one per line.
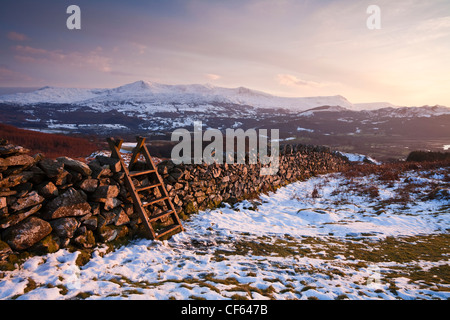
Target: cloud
(293,81)
(212,76)
(15,36)
(93,59)
(8,76)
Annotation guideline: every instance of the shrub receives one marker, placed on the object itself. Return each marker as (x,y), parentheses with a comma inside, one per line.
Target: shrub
(52,145)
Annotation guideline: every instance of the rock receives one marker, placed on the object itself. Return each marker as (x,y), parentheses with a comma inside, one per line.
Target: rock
(15,180)
(18,216)
(32,199)
(52,168)
(91,223)
(177,174)
(23,189)
(27,233)
(89,185)
(75,165)
(104,192)
(111,203)
(5,250)
(62,179)
(2,202)
(121,217)
(10,149)
(70,204)
(48,190)
(65,227)
(20,160)
(49,244)
(114,164)
(107,234)
(107,217)
(86,240)
(99,171)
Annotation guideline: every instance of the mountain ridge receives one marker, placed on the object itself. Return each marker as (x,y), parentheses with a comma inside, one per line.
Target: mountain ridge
(157,93)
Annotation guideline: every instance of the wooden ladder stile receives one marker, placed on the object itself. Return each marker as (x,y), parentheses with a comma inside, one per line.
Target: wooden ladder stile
(150,171)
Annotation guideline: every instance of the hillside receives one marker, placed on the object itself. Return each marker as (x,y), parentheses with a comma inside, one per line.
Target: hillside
(358,235)
(52,145)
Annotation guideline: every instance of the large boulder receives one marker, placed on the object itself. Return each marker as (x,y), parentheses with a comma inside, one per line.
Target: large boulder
(69,204)
(27,233)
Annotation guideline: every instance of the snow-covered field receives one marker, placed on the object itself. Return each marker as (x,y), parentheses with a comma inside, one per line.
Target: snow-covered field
(330,237)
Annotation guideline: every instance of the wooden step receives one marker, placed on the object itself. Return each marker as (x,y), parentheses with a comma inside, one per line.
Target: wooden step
(160,215)
(141,173)
(167,230)
(148,187)
(154,201)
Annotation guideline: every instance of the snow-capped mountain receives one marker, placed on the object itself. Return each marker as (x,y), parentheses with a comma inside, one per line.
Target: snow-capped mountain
(143,92)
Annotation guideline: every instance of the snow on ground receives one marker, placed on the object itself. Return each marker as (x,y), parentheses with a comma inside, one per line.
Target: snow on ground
(325,238)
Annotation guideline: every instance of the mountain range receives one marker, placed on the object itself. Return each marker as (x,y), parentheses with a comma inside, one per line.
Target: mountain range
(156,109)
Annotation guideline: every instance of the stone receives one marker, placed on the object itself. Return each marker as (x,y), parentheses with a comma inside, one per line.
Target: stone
(65,227)
(107,234)
(107,217)
(216,172)
(69,204)
(111,203)
(32,199)
(114,164)
(99,171)
(89,185)
(121,217)
(86,240)
(15,180)
(48,190)
(104,192)
(18,216)
(176,174)
(20,160)
(2,202)
(63,178)
(10,149)
(75,165)
(52,168)
(49,244)
(27,233)
(5,250)
(91,223)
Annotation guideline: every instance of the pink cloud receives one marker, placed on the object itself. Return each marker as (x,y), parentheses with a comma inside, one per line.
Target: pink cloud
(8,76)
(212,76)
(92,59)
(293,81)
(15,36)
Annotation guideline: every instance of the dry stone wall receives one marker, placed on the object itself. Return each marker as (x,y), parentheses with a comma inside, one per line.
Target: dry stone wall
(50,204)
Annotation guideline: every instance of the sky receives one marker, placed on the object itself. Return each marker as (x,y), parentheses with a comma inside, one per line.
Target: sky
(294,48)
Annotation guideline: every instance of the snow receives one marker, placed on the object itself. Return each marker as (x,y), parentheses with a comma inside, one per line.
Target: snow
(446,147)
(355,157)
(155,96)
(205,261)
